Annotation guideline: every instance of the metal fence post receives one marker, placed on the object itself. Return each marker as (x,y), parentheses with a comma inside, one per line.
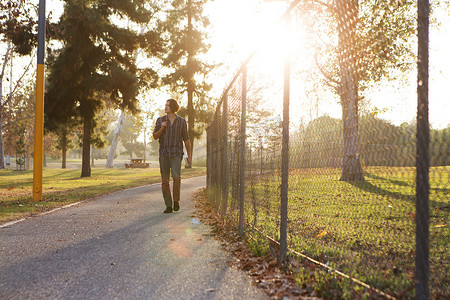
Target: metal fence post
(219,159)
(208,161)
(215,152)
(225,155)
(242,150)
(423,156)
(285,155)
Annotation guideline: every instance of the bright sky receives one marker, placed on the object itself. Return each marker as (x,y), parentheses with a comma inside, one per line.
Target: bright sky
(238,25)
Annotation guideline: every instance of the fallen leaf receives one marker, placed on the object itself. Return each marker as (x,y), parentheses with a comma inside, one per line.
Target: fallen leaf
(273,262)
(412,215)
(322,234)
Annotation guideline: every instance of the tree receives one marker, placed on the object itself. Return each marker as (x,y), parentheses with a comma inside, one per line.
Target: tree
(63,122)
(320,143)
(372,41)
(20,147)
(17,29)
(64,142)
(148,76)
(384,144)
(147,129)
(18,113)
(185,26)
(97,60)
(50,147)
(115,141)
(440,150)
(132,126)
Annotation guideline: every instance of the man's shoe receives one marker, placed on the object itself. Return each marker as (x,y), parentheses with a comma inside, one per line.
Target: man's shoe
(176,206)
(168,210)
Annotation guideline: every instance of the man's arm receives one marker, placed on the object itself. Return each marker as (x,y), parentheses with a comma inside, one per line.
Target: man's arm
(187,144)
(158,132)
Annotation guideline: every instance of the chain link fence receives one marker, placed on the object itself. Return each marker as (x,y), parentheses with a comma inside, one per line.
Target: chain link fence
(357,192)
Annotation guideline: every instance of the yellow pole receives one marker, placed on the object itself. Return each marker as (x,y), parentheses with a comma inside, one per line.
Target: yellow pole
(38,135)
(39,108)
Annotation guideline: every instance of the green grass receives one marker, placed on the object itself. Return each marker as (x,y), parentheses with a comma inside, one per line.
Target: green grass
(62,187)
(365,229)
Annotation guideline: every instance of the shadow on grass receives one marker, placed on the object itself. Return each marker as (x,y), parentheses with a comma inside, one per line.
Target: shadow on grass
(372,188)
(393,181)
(399,185)
(11,172)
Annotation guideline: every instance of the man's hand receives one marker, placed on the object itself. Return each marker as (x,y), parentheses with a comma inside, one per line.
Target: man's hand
(158,133)
(189,163)
(187,144)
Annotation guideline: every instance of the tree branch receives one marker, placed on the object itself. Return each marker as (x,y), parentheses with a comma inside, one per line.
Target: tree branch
(5,62)
(18,120)
(329,6)
(18,82)
(330,80)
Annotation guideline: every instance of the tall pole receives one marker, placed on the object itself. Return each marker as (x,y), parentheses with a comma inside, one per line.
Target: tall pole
(285,150)
(423,156)
(225,155)
(242,134)
(39,107)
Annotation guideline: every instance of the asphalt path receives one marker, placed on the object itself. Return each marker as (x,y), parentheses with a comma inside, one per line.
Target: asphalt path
(119,246)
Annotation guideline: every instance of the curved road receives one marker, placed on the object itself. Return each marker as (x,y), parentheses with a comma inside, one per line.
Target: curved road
(119,246)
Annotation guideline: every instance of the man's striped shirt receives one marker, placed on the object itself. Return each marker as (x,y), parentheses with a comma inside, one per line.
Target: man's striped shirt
(172,138)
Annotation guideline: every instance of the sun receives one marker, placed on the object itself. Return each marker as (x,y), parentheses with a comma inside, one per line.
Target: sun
(241,28)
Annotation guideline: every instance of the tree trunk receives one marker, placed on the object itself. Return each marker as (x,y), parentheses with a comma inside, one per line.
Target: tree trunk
(351,169)
(2,152)
(28,151)
(145,144)
(92,156)
(190,83)
(85,160)
(191,117)
(5,61)
(115,141)
(64,152)
(64,148)
(347,14)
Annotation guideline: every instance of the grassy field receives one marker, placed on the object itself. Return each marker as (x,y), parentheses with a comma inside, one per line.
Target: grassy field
(366,230)
(65,186)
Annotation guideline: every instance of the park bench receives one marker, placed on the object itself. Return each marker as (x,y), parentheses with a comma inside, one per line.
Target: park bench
(137,163)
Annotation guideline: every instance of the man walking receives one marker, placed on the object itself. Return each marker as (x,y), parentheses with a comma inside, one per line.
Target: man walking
(171,131)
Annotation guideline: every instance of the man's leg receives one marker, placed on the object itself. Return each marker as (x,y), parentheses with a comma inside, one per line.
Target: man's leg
(164,167)
(176,174)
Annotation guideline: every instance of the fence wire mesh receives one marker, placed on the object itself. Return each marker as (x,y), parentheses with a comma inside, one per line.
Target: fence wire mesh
(352,168)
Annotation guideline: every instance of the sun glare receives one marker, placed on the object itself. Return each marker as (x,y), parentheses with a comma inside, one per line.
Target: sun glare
(241,28)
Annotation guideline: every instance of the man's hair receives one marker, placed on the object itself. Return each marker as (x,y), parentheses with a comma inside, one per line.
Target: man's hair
(174,107)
